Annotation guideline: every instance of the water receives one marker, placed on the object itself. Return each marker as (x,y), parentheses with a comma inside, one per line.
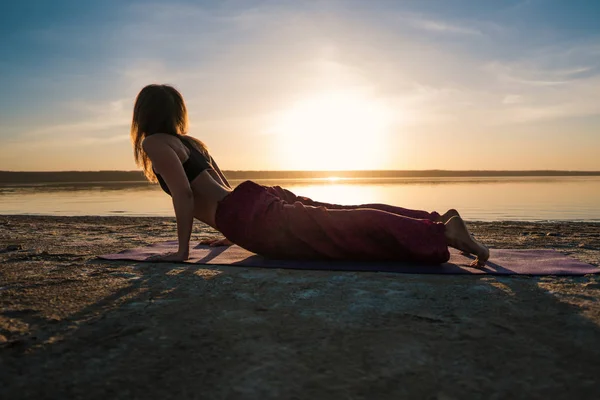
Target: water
(482,199)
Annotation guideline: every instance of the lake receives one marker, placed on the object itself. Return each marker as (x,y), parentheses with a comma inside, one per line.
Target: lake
(481,199)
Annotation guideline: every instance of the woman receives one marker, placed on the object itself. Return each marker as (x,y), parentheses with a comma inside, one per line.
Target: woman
(272,221)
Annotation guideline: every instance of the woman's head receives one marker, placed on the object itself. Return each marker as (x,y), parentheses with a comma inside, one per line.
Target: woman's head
(157,109)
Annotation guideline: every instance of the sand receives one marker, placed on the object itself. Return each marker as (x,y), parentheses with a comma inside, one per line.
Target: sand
(72,326)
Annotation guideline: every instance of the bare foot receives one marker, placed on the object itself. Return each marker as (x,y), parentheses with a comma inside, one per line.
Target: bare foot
(458,236)
(447,215)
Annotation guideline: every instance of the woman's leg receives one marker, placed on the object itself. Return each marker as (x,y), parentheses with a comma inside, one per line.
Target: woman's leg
(362,234)
(455,235)
(291,198)
(458,236)
(369,234)
(256,219)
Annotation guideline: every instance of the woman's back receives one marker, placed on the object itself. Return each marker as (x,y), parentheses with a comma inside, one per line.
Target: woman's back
(206,181)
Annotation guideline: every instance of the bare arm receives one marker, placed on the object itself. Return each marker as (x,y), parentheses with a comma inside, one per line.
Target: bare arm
(166,162)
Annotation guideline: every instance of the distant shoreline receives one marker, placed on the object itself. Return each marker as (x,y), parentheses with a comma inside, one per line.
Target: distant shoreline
(137,176)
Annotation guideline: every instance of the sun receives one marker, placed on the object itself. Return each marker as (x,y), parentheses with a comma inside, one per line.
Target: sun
(331,131)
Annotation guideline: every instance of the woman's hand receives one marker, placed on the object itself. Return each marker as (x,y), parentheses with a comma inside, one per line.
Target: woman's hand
(169,257)
(215,242)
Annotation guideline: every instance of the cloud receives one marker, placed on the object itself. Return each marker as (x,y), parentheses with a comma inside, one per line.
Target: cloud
(85,123)
(552,82)
(525,73)
(443,27)
(103,140)
(512,99)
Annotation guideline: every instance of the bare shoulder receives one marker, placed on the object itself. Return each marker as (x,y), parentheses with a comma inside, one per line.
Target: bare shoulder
(157,140)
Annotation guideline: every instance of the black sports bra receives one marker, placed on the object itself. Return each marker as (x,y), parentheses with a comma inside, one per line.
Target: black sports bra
(193,166)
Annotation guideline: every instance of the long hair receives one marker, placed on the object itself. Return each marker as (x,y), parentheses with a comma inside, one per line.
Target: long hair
(159,109)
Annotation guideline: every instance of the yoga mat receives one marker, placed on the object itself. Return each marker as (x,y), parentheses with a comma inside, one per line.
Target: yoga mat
(502,261)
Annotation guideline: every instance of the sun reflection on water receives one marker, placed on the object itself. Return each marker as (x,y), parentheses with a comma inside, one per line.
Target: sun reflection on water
(526,199)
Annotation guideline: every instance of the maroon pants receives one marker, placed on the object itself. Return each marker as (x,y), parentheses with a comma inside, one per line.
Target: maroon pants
(276,223)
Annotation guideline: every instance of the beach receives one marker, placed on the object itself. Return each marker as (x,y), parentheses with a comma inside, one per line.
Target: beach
(73,326)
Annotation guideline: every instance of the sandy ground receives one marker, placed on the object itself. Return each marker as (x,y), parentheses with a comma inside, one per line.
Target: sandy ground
(72,326)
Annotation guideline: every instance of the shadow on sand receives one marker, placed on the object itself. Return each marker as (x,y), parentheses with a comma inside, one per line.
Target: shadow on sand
(192,331)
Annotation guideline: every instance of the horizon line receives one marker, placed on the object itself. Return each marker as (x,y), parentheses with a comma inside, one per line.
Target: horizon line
(29,177)
(317,171)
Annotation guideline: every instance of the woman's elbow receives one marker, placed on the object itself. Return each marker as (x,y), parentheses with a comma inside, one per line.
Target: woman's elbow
(183,194)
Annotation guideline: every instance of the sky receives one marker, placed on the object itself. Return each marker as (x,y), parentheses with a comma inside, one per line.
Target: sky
(307,85)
